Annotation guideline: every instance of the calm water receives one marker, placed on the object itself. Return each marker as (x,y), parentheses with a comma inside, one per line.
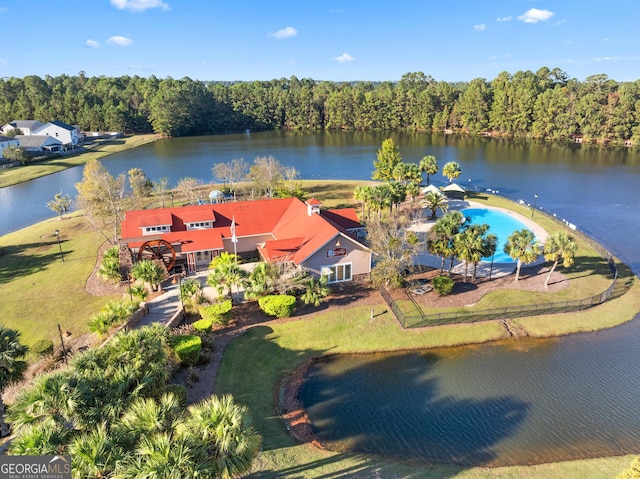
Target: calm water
(500,224)
(521,401)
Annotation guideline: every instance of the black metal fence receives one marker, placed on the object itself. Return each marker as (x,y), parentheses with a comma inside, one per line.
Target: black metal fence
(412,315)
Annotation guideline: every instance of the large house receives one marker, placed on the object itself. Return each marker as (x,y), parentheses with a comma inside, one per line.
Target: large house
(283,230)
(67,135)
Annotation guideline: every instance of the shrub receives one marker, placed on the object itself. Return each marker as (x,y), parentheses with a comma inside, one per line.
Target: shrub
(443,285)
(44,347)
(187,348)
(217,313)
(203,325)
(278,305)
(179,391)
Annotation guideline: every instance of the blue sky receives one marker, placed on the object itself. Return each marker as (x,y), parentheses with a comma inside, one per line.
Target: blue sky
(324,40)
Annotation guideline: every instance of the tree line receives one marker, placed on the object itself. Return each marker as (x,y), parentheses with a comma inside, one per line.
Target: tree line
(545,105)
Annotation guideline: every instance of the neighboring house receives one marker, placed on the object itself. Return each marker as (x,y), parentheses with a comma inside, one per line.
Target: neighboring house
(67,134)
(39,143)
(288,230)
(26,127)
(6,142)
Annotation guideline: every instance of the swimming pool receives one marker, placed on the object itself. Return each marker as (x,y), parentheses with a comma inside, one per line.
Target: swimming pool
(500,224)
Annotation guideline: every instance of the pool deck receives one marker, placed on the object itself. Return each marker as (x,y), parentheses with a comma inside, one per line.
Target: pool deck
(485,268)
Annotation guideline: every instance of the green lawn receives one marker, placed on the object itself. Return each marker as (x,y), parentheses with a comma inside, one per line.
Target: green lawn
(255,364)
(20,174)
(38,290)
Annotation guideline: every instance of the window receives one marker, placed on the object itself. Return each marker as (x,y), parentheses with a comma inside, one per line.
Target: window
(338,273)
(199,225)
(155,229)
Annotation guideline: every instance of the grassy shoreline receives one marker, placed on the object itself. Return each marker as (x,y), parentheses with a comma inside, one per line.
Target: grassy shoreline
(41,291)
(20,174)
(281,348)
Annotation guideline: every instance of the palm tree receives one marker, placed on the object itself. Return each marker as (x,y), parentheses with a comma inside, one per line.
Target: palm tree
(261,281)
(52,400)
(12,365)
(226,431)
(225,273)
(490,245)
(150,272)
(451,170)
(522,247)
(96,453)
(110,265)
(559,246)
(36,440)
(165,456)
(428,165)
(316,290)
(469,247)
(362,194)
(147,416)
(441,237)
(434,202)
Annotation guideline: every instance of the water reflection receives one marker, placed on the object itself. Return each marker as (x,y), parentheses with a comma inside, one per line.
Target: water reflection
(522,401)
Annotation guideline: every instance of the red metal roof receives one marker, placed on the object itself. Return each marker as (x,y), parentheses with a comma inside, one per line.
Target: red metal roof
(295,231)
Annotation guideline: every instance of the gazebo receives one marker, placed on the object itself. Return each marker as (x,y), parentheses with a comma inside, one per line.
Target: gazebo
(454,191)
(430,189)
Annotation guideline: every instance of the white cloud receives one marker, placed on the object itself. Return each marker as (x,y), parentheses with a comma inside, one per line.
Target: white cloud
(120,41)
(504,19)
(607,40)
(480,28)
(139,5)
(4,9)
(535,15)
(91,43)
(284,33)
(345,57)
(607,59)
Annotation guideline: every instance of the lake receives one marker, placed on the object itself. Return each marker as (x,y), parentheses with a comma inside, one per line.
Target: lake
(518,402)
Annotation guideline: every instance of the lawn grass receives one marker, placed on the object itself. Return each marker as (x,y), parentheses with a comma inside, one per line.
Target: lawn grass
(103,148)
(38,290)
(255,364)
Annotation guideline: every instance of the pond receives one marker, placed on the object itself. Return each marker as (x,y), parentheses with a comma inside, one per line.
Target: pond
(517,402)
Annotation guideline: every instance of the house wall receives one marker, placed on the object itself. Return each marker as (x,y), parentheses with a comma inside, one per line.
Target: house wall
(357,255)
(62,134)
(247,244)
(7,144)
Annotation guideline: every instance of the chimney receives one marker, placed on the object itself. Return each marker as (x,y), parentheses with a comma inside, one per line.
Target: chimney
(313,206)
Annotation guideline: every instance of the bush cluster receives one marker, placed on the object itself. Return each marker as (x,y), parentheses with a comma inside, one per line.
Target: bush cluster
(443,285)
(187,348)
(218,313)
(278,305)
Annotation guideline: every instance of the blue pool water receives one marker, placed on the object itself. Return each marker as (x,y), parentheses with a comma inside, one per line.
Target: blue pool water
(500,224)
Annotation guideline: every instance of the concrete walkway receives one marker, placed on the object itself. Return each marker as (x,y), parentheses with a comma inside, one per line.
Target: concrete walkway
(164,307)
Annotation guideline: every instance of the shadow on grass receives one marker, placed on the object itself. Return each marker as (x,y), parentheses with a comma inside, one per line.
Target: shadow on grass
(15,262)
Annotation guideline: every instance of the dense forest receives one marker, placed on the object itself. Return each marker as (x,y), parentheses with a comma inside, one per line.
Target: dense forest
(545,105)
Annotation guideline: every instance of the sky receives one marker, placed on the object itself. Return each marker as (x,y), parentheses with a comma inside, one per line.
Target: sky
(373,40)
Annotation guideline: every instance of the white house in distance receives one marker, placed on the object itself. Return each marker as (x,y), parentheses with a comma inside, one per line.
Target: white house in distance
(6,142)
(67,134)
(26,127)
(278,230)
(39,143)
